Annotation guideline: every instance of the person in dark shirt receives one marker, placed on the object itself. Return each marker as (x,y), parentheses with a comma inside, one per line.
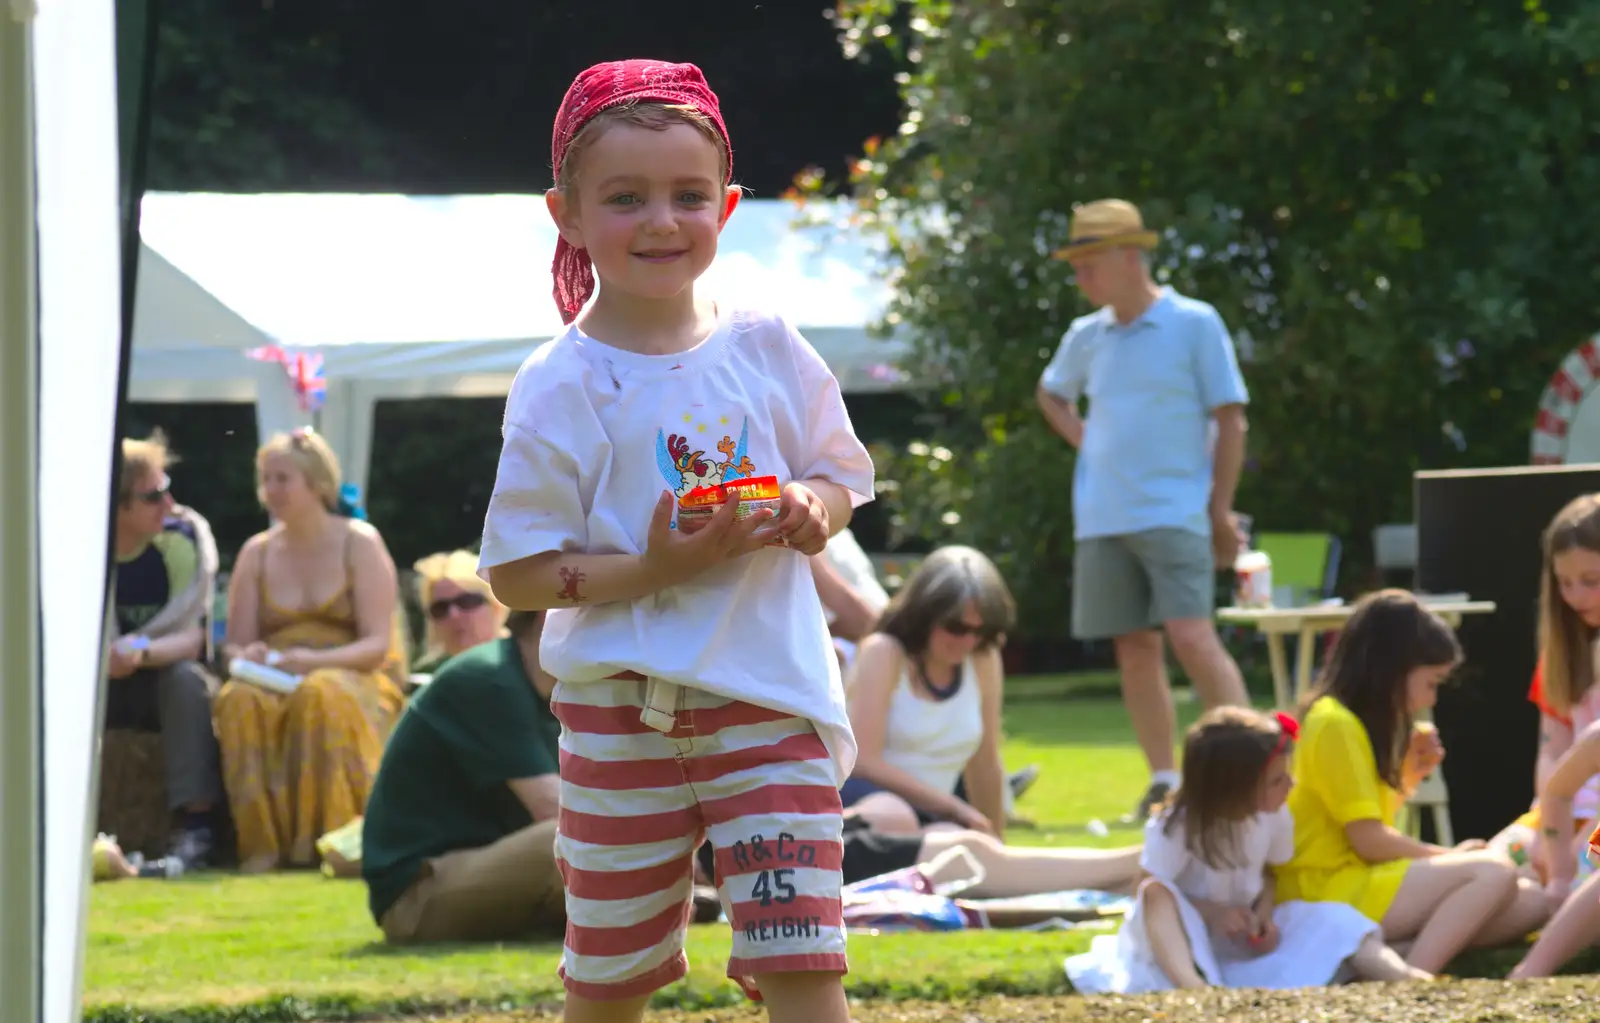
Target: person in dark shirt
(458,843)
(165,583)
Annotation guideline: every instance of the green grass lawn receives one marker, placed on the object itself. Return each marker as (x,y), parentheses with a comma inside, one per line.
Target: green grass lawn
(294,947)
(234,941)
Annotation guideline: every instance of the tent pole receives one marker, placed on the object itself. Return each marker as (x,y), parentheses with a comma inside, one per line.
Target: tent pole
(21,733)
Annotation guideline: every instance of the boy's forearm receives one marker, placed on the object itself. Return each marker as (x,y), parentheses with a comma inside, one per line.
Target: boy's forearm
(557,579)
(836,499)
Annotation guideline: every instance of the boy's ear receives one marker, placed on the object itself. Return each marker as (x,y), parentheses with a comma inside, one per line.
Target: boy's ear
(565,216)
(730,202)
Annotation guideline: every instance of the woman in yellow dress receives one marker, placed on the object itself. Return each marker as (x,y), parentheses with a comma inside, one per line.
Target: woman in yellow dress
(314,595)
(1360,755)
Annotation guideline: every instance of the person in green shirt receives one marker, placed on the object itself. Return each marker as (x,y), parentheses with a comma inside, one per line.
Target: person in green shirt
(458,843)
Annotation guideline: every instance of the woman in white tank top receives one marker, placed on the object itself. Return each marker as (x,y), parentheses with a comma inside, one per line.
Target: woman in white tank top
(925,693)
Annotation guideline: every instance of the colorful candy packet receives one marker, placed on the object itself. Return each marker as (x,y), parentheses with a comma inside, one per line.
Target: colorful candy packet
(697,506)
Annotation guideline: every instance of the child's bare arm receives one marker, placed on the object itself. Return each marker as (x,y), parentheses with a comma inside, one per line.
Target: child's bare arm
(555,579)
(1267,901)
(1555,738)
(1571,771)
(571,579)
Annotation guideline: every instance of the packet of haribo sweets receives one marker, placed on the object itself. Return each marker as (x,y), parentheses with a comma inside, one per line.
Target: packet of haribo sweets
(697,506)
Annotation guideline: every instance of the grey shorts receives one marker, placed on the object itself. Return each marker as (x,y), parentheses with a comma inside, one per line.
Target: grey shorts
(1137,581)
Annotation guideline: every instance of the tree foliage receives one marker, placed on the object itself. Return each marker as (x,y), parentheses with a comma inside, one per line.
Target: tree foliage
(247,97)
(1389,204)
(349,95)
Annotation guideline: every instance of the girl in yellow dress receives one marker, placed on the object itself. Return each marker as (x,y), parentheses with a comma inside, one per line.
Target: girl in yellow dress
(315,595)
(1361,754)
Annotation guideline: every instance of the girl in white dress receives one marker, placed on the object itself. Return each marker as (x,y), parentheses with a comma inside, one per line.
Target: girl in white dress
(1207,912)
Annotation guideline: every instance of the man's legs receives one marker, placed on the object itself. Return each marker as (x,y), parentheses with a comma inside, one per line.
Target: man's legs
(1182,573)
(500,892)
(1147,692)
(194,771)
(1112,599)
(1210,667)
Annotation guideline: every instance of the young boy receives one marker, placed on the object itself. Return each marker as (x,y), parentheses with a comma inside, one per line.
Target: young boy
(698,692)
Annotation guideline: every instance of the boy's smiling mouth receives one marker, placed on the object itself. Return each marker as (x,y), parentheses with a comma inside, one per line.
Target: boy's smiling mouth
(659,255)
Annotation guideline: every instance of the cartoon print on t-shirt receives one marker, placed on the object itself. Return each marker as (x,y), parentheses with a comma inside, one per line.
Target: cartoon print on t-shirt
(685,468)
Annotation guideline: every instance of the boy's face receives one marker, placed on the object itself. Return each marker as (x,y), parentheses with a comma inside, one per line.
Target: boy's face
(648,206)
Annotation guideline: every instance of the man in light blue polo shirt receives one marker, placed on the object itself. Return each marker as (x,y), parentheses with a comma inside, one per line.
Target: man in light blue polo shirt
(1159,455)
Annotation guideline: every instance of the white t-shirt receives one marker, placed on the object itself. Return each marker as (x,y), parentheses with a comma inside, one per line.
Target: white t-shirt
(592,436)
(1260,840)
(845,556)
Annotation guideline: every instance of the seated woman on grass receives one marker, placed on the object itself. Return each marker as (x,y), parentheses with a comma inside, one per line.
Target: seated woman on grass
(925,694)
(1361,755)
(314,595)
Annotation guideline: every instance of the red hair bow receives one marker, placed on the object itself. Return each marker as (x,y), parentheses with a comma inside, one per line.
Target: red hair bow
(1289,725)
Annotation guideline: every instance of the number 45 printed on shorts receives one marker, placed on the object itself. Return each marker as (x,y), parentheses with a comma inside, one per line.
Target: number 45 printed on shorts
(774,879)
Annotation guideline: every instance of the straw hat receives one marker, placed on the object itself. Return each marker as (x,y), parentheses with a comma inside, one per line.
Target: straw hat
(1104,224)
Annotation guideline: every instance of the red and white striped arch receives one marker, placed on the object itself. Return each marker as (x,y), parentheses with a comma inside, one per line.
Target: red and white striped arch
(1567,426)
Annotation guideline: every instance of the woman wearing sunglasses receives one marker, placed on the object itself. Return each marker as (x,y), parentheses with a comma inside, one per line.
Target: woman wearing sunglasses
(458,610)
(925,693)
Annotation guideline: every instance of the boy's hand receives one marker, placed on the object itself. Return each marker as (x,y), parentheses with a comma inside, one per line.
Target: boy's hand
(803,519)
(673,557)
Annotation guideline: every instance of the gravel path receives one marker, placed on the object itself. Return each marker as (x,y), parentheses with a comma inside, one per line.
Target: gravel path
(1560,1000)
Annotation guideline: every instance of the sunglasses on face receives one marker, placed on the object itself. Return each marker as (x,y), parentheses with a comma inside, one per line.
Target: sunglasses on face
(961,629)
(155,496)
(440,609)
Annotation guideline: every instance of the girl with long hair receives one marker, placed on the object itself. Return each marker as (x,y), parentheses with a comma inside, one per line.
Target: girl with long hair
(1361,757)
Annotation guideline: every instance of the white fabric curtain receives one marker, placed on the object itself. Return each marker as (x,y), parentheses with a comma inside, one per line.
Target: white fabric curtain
(59,185)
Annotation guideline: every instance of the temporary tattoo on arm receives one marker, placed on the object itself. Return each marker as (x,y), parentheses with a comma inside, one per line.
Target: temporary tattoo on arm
(1552,832)
(571,579)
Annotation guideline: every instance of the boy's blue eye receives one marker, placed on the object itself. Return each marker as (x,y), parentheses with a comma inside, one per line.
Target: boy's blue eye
(624,199)
(692,198)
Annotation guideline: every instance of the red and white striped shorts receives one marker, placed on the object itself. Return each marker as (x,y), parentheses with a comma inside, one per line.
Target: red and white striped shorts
(635,805)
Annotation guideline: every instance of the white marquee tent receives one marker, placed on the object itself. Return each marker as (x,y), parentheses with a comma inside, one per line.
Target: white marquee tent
(411,297)
(60,349)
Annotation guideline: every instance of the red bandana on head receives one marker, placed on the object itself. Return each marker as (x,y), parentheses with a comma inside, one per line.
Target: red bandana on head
(601,88)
